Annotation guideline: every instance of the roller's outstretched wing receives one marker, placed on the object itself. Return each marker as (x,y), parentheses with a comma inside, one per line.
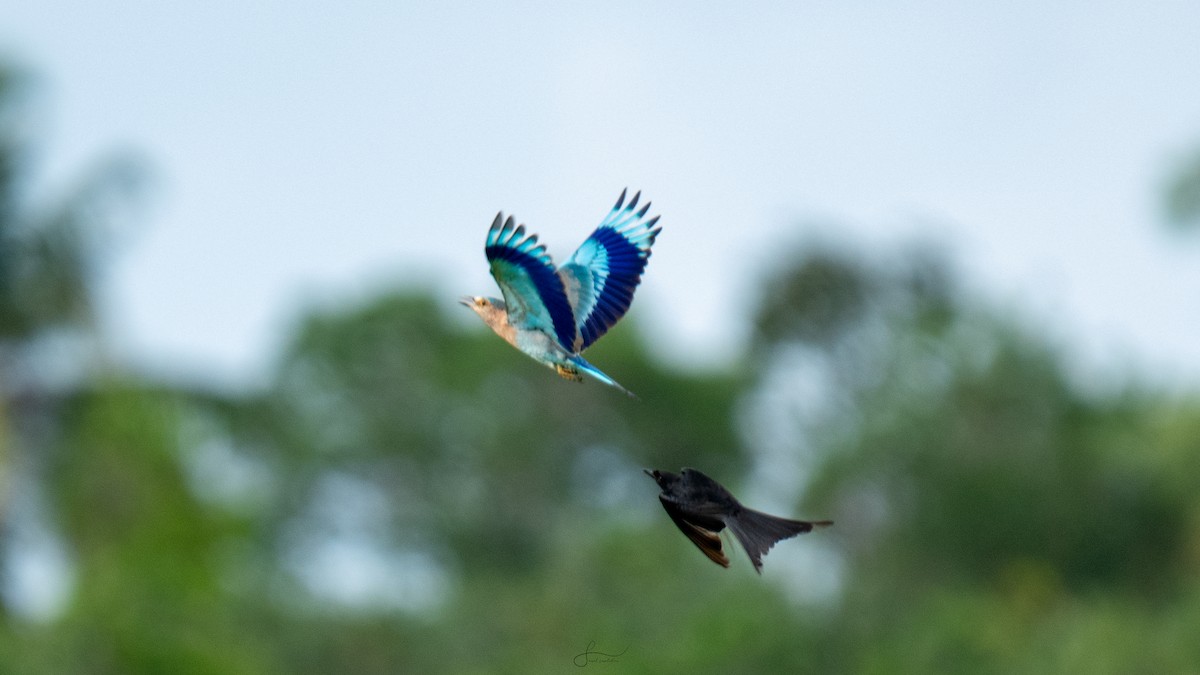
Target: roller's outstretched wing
(533,292)
(603,273)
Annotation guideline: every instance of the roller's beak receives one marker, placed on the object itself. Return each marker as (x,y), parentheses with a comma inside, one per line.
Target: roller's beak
(467,301)
(652,474)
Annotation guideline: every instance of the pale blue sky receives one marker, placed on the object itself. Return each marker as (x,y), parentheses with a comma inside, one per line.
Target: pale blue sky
(316,152)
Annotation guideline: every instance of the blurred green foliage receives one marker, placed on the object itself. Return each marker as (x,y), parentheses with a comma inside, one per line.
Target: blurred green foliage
(409,495)
(1183,193)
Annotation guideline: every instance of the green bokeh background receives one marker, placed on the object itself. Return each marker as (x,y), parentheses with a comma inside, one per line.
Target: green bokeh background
(995,511)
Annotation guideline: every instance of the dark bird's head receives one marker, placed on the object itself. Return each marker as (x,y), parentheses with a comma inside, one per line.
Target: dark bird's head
(665,479)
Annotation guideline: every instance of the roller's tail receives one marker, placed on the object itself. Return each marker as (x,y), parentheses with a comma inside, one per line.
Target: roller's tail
(596,373)
(758,532)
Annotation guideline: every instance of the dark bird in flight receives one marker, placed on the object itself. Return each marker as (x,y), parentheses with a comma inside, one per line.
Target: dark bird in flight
(701,507)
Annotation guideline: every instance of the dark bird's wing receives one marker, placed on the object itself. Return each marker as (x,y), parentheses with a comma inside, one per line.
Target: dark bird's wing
(602,275)
(702,531)
(533,291)
(758,532)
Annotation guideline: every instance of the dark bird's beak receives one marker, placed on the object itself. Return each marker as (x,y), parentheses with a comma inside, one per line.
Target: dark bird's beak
(466,301)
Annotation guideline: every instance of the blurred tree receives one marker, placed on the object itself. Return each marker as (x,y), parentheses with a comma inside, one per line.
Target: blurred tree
(466,442)
(48,255)
(47,263)
(408,495)
(458,461)
(980,497)
(1183,193)
(397,477)
(152,558)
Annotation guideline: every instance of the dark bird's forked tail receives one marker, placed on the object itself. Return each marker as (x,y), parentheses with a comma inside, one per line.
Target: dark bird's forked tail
(758,531)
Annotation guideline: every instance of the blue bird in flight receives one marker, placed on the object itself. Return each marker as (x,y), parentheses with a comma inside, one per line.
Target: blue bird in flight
(554,314)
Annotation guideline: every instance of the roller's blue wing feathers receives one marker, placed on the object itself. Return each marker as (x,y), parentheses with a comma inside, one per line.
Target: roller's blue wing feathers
(600,278)
(533,292)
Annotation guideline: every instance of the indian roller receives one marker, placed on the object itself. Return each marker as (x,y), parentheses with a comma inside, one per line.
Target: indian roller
(553,315)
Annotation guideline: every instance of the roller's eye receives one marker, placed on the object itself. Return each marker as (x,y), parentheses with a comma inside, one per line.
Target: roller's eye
(480,302)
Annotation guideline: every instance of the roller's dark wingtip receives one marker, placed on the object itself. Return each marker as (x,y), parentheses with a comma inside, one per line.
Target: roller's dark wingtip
(621,199)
